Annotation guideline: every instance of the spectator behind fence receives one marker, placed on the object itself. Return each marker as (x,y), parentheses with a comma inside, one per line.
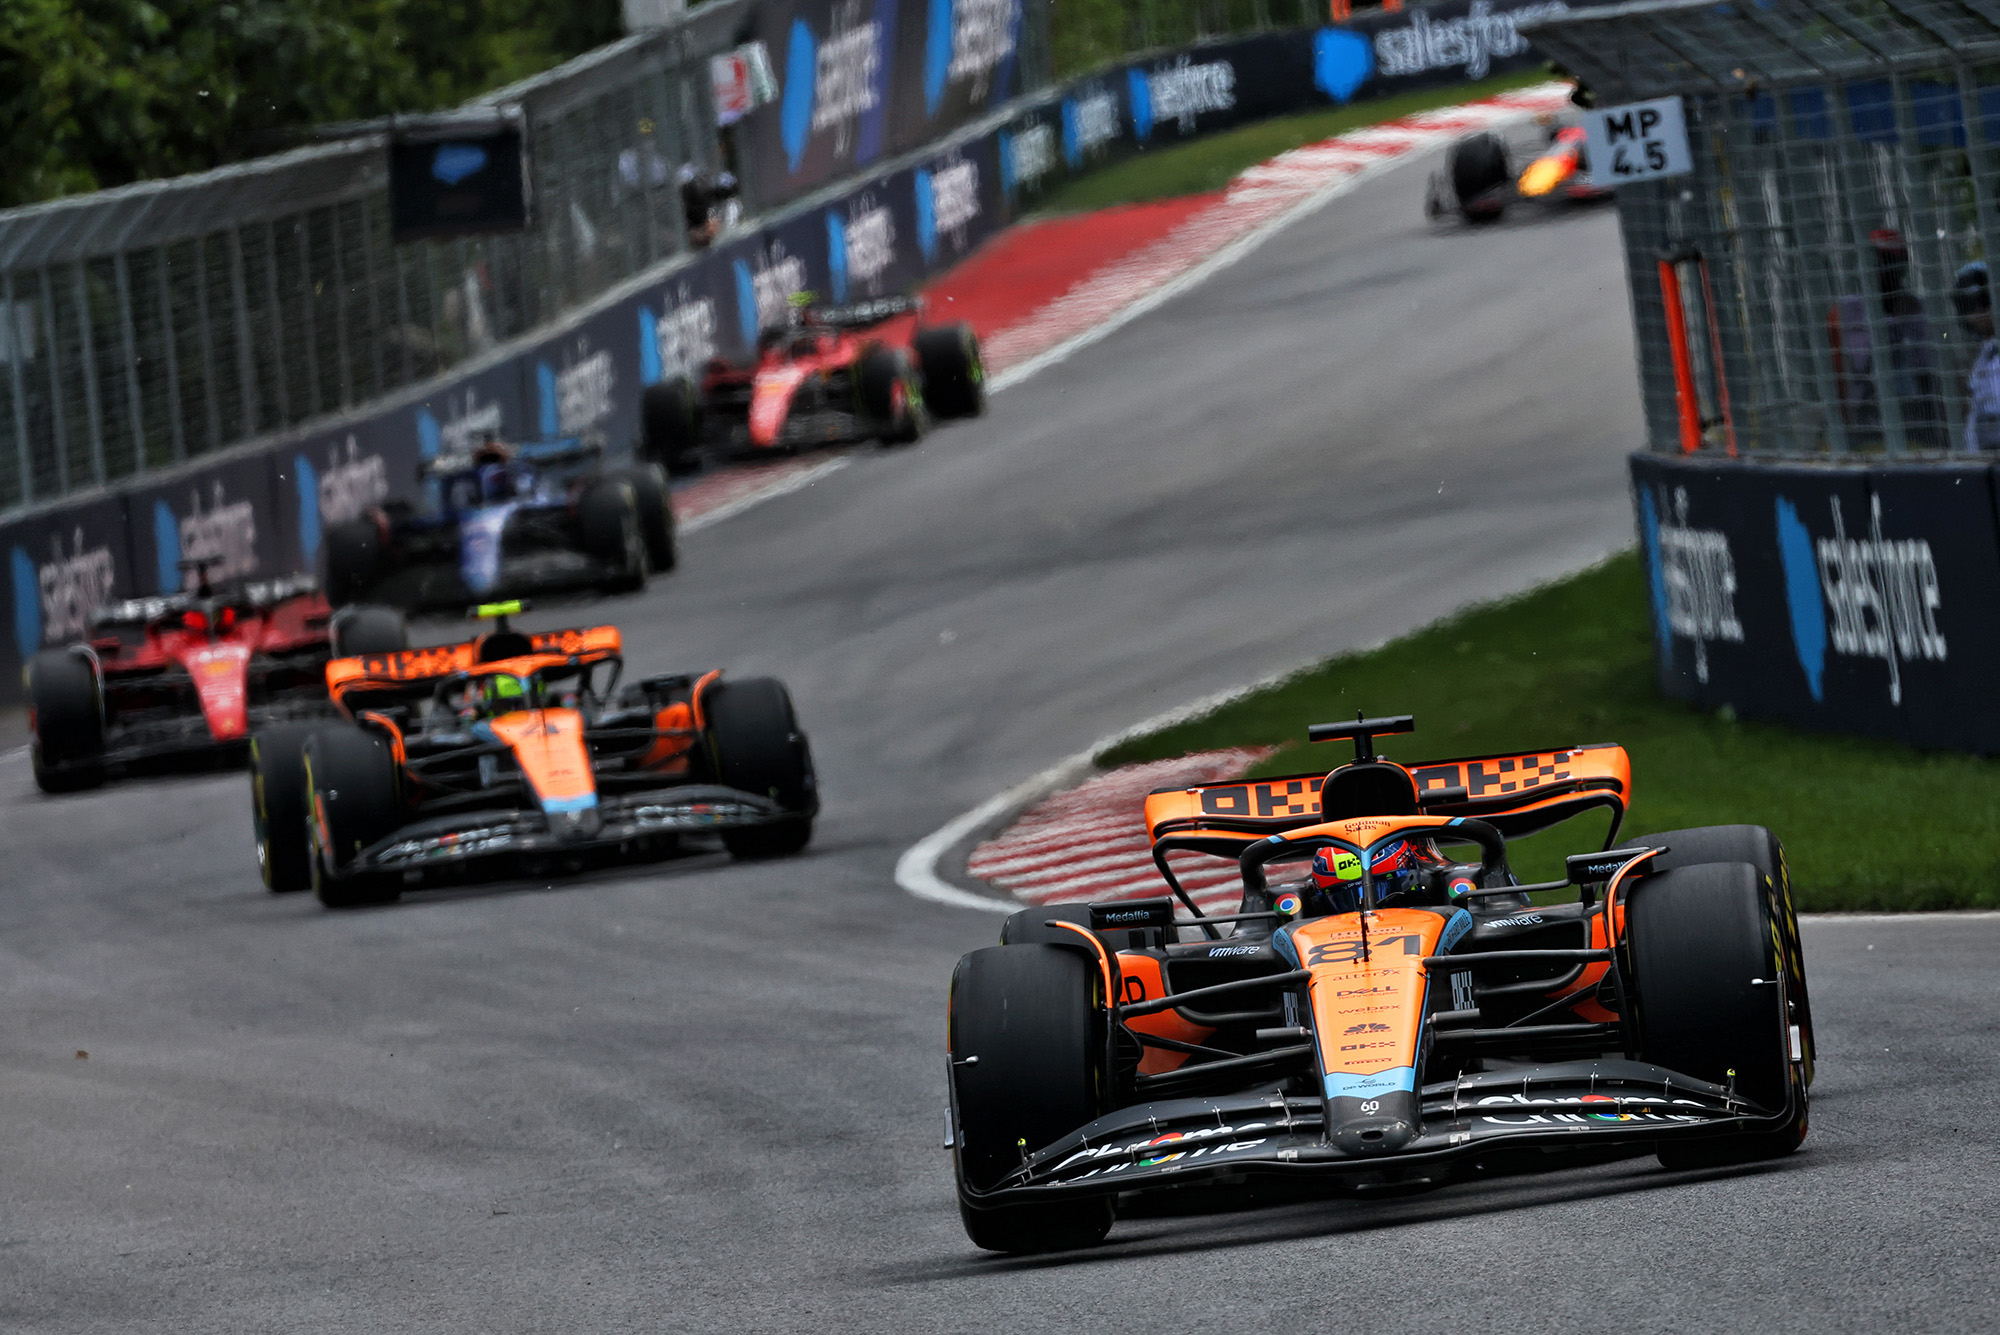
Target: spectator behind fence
(1973,297)
(1912,372)
(709,203)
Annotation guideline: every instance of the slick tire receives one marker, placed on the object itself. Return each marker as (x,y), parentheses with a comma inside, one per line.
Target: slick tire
(954,374)
(891,398)
(369,630)
(351,560)
(66,718)
(756,745)
(278,806)
(607,521)
(670,425)
(1032,1016)
(1708,999)
(1760,848)
(1478,163)
(351,801)
(656,516)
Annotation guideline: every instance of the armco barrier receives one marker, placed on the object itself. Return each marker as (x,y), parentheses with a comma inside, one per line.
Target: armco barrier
(263,507)
(1852,598)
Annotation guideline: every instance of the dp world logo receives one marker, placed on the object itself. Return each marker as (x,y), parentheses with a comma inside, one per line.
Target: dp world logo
(1865,597)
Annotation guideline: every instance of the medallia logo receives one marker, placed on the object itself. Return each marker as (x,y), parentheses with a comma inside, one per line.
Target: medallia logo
(350,485)
(764,294)
(1869,597)
(860,247)
(1089,121)
(225,533)
(53,601)
(967,40)
(580,395)
(1693,579)
(947,203)
(1026,157)
(678,343)
(1342,62)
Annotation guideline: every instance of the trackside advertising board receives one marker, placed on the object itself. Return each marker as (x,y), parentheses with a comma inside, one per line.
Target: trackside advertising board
(885,92)
(1839,599)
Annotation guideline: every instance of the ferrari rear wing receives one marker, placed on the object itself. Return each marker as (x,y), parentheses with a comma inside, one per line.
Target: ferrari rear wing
(862,314)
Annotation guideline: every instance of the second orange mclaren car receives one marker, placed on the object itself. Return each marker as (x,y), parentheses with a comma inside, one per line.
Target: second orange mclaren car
(517,751)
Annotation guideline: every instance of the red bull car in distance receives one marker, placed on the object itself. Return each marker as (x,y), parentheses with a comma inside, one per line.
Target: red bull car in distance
(518,752)
(190,675)
(1479,183)
(835,375)
(1390,1009)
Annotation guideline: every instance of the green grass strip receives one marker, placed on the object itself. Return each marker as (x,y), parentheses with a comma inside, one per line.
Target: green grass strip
(1210,163)
(1866,824)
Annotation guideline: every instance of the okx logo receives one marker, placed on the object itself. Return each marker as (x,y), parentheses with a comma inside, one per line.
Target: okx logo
(1860,597)
(1693,577)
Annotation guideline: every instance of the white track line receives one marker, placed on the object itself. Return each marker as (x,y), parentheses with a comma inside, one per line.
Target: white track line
(784,486)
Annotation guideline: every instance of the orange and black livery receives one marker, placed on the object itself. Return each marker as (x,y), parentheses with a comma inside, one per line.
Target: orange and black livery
(519,751)
(1390,1008)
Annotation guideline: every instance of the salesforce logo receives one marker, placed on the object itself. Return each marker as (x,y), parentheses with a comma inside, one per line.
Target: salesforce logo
(1693,580)
(1859,597)
(795,111)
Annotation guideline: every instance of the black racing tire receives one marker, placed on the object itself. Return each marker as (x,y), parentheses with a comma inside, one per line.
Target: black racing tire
(656,516)
(1761,849)
(350,560)
(1029,927)
(359,629)
(607,522)
(757,746)
(1478,163)
(891,397)
(670,425)
(1707,999)
(1033,1017)
(65,720)
(954,373)
(352,802)
(278,806)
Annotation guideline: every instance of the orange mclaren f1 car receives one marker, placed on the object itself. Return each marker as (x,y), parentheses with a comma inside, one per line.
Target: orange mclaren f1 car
(520,751)
(1479,181)
(1381,1015)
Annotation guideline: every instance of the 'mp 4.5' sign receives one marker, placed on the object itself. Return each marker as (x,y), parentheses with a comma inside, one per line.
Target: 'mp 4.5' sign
(1640,141)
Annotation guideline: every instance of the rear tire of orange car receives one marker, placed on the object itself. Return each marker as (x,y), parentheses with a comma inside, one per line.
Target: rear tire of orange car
(278,806)
(1707,999)
(66,748)
(670,425)
(1761,849)
(954,373)
(351,802)
(756,746)
(607,521)
(1033,1017)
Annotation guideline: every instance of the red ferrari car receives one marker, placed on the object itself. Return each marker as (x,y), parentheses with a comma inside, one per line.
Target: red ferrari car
(834,375)
(190,674)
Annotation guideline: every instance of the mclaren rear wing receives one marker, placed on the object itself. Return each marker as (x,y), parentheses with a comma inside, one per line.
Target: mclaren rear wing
(409,675)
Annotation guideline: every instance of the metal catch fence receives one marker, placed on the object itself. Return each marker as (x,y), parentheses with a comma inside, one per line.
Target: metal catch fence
(1817,284)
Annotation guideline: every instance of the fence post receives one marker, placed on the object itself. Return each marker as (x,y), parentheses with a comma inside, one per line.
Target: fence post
(247,414)
(176,432)
(57,418)
(129,343)
(23,459)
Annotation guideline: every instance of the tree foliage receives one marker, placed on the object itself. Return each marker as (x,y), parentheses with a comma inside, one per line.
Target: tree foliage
(97,93)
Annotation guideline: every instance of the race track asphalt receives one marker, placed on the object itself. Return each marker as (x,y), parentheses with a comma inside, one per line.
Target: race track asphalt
(708,1097)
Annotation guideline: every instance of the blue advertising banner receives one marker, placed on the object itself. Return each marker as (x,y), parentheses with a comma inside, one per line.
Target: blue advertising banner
(63,565)
(1839,599)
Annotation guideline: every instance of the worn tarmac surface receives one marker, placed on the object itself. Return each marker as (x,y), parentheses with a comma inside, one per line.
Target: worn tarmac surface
(709,1097)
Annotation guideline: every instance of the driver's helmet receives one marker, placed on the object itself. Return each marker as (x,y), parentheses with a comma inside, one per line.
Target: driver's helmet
(502,693)
(497,482)
(1336,873)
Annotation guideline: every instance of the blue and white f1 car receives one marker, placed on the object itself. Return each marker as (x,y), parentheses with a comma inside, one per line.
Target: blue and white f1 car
(507,520)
